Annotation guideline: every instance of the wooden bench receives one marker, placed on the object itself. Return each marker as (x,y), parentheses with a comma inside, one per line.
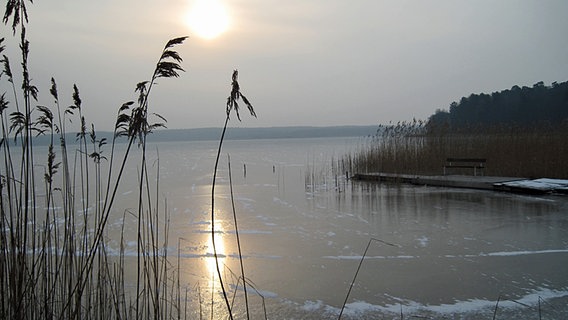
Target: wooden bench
(477,164)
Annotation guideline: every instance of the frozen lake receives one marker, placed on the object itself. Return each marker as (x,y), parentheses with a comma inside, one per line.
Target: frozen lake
(454,252)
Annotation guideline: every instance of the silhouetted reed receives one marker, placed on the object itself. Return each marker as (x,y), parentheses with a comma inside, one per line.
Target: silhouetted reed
(54,260)
(232,105)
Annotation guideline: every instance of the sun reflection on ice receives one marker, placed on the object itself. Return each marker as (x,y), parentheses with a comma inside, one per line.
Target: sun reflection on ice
(221,254)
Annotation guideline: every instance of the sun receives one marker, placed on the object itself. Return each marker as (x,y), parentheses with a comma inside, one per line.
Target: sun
(208,18)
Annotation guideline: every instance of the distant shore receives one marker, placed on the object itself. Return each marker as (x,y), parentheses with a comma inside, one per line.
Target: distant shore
(204,134)
(264,133)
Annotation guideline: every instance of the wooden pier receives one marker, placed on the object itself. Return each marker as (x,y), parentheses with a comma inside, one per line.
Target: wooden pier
(510,184)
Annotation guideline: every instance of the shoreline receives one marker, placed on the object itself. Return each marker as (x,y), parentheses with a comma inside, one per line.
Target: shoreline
(507,184)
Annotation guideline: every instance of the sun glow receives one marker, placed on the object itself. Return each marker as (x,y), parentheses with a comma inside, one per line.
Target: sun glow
(208,18)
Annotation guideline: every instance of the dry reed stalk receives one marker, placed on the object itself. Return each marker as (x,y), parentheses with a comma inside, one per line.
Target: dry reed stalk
(358,269)
(237,235)
(232,104)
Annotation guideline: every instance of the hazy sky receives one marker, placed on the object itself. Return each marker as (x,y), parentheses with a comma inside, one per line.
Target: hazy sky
(301,62)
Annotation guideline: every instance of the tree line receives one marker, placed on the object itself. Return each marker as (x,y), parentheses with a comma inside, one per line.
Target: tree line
(522,106)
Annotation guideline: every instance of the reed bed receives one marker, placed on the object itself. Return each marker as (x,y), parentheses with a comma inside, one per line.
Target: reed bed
(533,151)
(58,254)
(55,250)
(54,261)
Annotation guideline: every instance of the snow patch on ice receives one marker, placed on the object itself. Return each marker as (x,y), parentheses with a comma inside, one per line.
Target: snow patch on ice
(312,305)
(358,309)
(450,256)
(423,241)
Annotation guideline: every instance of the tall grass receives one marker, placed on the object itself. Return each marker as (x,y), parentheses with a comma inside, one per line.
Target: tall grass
(540,150)
(232,106)
(54,258)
